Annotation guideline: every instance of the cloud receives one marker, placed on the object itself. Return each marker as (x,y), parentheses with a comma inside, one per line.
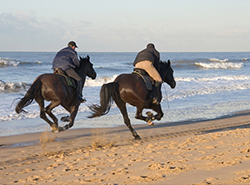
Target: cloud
(27,31)
(235,33)
(19,21)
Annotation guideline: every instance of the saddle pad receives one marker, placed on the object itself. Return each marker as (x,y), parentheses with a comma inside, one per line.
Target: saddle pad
(146,79)
(70,81)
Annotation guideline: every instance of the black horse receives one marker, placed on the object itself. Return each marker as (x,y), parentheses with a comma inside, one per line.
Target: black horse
(131,88)
(54,88)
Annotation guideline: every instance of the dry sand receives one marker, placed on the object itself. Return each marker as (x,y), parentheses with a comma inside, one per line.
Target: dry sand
(192,152)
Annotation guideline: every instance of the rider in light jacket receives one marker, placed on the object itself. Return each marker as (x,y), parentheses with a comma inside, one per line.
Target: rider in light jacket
(149,60)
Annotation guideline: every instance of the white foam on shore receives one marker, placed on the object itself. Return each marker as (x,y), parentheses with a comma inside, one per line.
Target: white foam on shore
(216,78)
(195,86)
(114,118)
(99,81)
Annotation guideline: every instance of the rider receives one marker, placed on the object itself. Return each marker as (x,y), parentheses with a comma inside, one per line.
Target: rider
(66,59)
(149,60)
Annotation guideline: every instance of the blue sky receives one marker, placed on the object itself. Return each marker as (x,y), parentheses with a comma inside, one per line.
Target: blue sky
(125,25)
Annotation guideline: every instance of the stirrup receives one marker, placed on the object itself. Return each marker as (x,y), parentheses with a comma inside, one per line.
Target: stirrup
(81,100)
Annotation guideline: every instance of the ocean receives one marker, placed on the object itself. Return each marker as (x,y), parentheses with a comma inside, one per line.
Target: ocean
(209,85)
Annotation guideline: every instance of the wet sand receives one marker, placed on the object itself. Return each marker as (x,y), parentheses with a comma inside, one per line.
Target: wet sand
(192,152)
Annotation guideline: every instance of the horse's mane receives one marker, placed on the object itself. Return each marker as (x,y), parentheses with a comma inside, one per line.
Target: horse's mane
(82,62)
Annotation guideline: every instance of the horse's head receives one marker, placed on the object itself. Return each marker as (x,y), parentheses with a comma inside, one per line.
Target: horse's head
(88,66)
(167,73)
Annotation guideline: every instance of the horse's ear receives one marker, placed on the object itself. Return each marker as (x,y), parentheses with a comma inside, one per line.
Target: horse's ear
(169,62)
(81,58)
(88,57)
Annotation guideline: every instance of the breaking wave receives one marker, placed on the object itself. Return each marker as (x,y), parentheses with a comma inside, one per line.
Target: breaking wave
(220,65)
(5,62)
(218,60)
(13,87)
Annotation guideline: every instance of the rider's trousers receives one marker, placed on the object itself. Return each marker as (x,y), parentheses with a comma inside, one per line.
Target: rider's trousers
(150,69)
(71,73)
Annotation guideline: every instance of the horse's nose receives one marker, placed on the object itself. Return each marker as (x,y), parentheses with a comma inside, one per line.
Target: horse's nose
(94,76)
(173,85)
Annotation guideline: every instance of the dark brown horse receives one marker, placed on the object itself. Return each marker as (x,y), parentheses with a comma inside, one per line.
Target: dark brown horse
(130,88)
(54,88)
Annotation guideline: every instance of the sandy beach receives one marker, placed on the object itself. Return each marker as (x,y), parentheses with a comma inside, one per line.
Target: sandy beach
(191,152)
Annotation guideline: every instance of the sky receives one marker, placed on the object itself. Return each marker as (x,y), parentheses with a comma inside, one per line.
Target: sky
(125,25)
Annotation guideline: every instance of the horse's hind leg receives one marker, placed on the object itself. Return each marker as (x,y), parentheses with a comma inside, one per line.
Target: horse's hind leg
(49,109)
(122,106)
(40,102)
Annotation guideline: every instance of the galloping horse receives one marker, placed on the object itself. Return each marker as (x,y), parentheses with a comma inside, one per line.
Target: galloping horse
(130,88)
(54,88)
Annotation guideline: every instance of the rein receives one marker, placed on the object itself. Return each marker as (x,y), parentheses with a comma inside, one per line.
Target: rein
(162,75)
(166,96)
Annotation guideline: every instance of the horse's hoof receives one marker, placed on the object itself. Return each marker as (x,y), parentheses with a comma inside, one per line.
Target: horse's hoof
(149,114)
(137,137)
(150,123)
(158,119)
(61,129)
(65,119)
(54,130)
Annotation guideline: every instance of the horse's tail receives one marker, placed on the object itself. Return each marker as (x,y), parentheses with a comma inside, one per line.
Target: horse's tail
(107,94)
(29,96)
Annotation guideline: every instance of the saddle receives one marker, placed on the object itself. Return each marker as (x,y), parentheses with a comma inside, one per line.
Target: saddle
(70,81)
(149,82)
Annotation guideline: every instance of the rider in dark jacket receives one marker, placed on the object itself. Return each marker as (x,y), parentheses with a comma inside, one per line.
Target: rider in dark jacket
(66,59)
(150,54)
(149,60)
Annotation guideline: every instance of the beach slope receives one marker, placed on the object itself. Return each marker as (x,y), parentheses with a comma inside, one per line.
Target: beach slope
(192,152)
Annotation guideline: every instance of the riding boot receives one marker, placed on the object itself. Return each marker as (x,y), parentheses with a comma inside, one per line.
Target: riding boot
(155,93)
(79,92)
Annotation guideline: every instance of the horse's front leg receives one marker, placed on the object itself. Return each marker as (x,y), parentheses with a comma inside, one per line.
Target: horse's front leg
(139,115)
(158,110)
(72,116)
